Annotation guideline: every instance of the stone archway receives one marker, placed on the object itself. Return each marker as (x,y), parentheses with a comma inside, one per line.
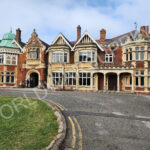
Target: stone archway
(34,79)
(112,81)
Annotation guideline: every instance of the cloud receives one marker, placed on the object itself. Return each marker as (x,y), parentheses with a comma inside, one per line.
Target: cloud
(50,17)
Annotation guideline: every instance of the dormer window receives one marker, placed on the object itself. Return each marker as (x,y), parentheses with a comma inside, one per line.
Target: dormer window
(59,57)
(86,56)
(34,53)
(108,58)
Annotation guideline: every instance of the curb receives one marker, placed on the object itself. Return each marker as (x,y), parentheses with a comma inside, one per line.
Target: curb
(62,128)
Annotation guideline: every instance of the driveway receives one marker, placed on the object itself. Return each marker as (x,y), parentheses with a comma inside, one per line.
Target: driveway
(99,121)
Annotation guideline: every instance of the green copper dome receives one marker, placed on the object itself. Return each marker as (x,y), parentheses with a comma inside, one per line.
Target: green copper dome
(7,40)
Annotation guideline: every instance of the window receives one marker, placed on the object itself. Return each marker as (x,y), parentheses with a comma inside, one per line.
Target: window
(8,60)
(142,53)
(1,59)
(149,79)
(93,56)
(13,60)
(139,76)
(1,77)
(70,78)
(108,58)
(38,53)
(130,54)
(34,53)
(84,79)
(7,77)
(126,54)
(139,54)
(128,80)
(12,77)
(86,56)
(148,56)
(57,78)
(59,57)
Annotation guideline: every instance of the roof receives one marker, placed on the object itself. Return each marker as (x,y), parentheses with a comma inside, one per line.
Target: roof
(7,40)
(45,44)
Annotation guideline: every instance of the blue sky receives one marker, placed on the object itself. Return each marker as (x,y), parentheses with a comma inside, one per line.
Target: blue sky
(50,17)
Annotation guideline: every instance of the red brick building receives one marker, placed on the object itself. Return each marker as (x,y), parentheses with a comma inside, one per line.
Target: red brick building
(117,64)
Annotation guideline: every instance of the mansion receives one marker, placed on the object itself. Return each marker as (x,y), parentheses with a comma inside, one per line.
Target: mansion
(118,64)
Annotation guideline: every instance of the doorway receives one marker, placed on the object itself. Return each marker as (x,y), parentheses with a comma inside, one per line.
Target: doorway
(34,80)
(112,82)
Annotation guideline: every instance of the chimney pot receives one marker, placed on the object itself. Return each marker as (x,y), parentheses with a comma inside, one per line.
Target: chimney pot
(145,31)
(18,35)
(78,32)
(102,35)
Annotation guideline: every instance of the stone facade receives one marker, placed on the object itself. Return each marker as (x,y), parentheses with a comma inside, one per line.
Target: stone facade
(118,64)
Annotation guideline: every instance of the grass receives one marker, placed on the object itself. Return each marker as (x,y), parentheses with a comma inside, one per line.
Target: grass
(30,128)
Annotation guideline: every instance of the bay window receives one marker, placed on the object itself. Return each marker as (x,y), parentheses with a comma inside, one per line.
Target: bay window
(86,56)
(139,53)
(59,57)
(84,79)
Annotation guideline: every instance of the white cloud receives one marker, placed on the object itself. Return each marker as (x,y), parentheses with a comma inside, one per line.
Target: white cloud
(50,17)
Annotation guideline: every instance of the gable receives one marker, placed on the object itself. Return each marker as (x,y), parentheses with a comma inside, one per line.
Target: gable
(60,41)
(87,38)
(33,43)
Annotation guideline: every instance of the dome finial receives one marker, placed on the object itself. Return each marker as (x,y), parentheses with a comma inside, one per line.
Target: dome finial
(34,33)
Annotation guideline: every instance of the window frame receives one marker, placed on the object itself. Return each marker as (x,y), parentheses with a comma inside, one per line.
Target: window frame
(57,78)
(70,78)
(108,57)
(85,79)
(86,56)
(59,57)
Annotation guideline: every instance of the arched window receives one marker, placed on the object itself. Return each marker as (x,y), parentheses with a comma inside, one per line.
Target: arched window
(7,77)
(14,60)
(8,60)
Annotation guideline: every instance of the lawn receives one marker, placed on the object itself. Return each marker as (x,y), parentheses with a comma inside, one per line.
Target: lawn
(27,126)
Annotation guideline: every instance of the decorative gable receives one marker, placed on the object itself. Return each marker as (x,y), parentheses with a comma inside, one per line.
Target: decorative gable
(86,39)
(60,41)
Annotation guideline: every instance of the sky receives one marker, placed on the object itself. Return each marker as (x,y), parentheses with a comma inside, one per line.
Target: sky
(50,17)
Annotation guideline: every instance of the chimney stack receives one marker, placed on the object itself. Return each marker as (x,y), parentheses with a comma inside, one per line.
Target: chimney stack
(78,32)
(18,35)
(145,31)
(102,35)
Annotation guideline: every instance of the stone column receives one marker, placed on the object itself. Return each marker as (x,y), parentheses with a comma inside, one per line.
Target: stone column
(91,81)
(132,83)
(104,82)
(77,78)
(118,82)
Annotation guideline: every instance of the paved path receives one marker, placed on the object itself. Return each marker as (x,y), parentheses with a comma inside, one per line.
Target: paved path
(98,121)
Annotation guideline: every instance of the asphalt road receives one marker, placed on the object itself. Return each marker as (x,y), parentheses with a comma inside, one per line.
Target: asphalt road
(99,121)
